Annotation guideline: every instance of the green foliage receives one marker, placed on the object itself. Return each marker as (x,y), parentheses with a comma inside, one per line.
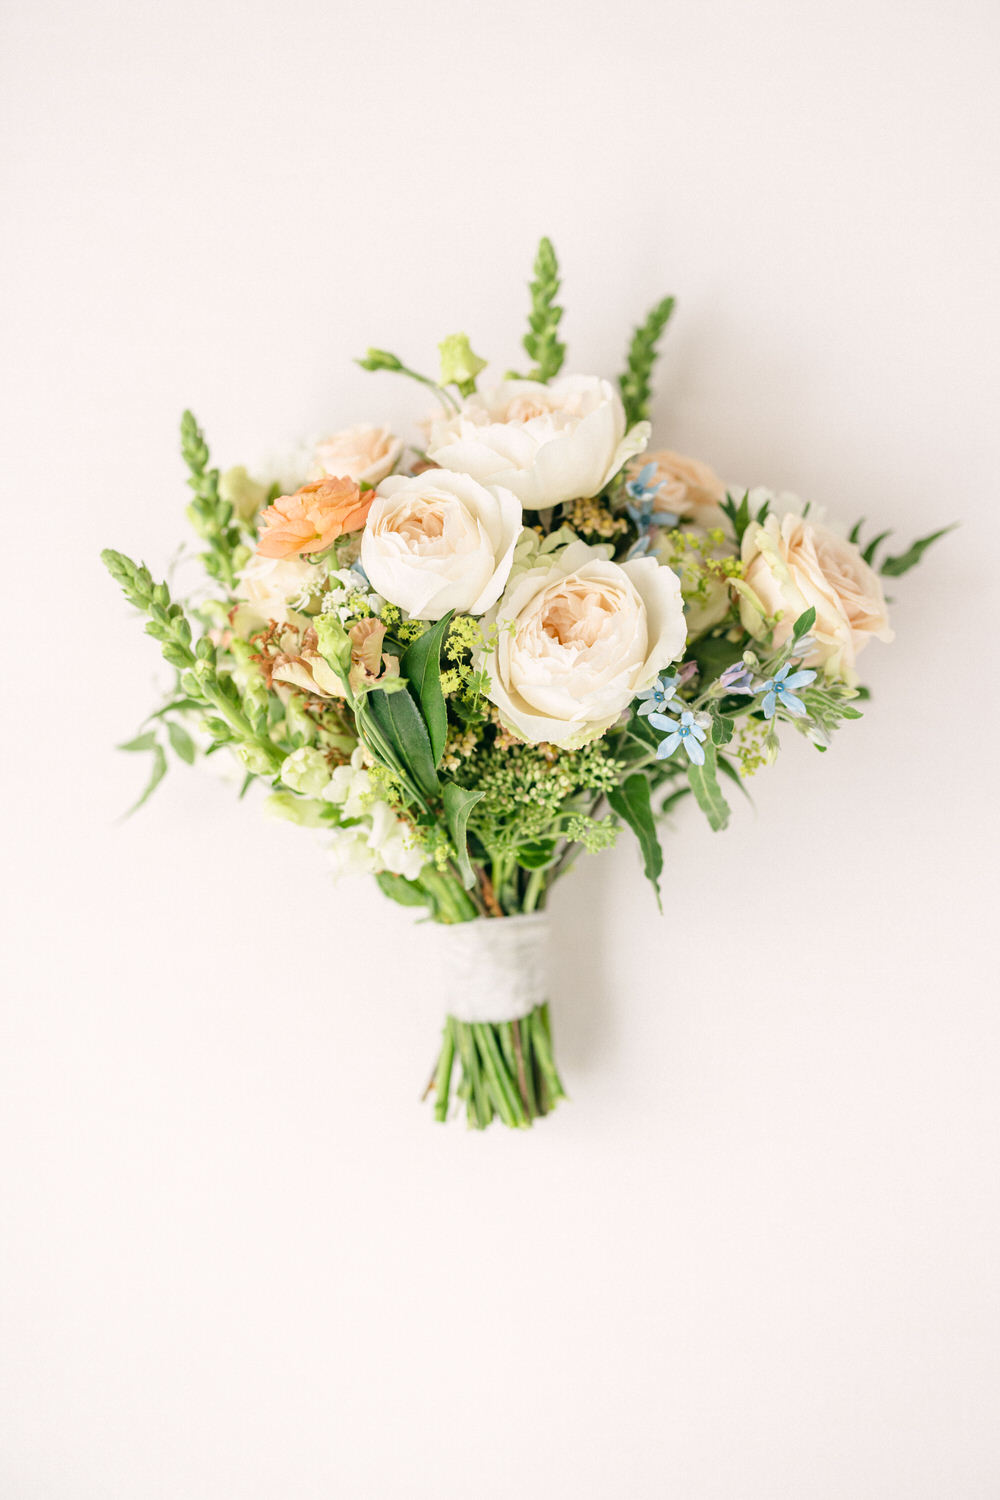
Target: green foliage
(739,516)
(895,567)
(420,664)
(237,718)
(631,801)
(704,783)
(533,793)
(210,515)
(541,341)
(636,386)
(399,889)
(458,804)
(392,726)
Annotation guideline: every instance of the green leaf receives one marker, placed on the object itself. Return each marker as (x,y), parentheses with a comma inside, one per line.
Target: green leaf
(181,741)
(401,727)
(804,624)
(855,532)
(632,804)
(714,653)
(670,802)
(708,794)
(723,729)
(894,567)
(636,387)
(541,341)
(141,742)
(156,776)
(869,553)
(458,804)
(420,664)
(728,769)
(738,515)
(398,888)
(537,856)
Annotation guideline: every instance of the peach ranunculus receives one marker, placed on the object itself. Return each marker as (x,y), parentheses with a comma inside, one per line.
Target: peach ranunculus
(690,489)
(793,564)
(365,454)
(312,518)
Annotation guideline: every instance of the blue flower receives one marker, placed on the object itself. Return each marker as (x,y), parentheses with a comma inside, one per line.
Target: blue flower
(640,489)
(778,693)
(642,493)
(685,732)
(737,678)
(659,695)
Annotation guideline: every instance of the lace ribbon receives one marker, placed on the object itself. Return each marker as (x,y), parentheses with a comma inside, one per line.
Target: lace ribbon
(492,969)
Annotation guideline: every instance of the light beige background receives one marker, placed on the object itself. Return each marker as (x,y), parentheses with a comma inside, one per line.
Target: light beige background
(755,1259)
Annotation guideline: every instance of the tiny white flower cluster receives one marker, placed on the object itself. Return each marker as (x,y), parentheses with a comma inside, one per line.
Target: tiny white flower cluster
(348,588)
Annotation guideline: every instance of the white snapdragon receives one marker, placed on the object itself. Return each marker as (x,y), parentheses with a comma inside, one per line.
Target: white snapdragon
(377,839)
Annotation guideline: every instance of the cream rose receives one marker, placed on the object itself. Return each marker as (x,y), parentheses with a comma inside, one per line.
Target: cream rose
(546,443)
(690,489)
(577,638)
(277,588)
(439,541)
(365,454)
(794,564)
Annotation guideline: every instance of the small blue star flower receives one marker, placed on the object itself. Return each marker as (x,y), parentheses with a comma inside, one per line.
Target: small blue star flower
(659,695)
(642,492)
(778,693)
(683,732)
(641,487)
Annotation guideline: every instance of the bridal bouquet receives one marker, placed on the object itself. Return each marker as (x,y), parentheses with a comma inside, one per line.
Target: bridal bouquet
(466,661)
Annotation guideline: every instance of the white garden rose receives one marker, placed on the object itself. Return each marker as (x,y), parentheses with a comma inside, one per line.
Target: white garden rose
(364,453)
(546,443)
(438,541)
(577,638)
(794,564)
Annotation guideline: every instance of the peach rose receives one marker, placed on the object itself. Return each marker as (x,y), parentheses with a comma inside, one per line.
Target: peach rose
(365,454)
(793,564)
(312,518)
(691,490)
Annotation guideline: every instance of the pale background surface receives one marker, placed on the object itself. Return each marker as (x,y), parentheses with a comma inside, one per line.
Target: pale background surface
(756,1258)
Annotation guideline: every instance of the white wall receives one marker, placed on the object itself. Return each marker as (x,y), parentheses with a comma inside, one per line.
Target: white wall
(755,1258)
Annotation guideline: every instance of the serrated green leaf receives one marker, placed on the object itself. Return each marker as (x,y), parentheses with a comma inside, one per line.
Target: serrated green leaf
(708,794)
(420,664)
(156,776)
(141,742)
(895,567)
(181,742)
(631,802)
(458,804)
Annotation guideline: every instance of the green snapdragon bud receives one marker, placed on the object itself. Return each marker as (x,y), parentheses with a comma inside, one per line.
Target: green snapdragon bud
(459,365)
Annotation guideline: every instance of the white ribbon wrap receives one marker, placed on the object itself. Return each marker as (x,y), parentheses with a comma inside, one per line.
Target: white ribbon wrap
(492,969)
